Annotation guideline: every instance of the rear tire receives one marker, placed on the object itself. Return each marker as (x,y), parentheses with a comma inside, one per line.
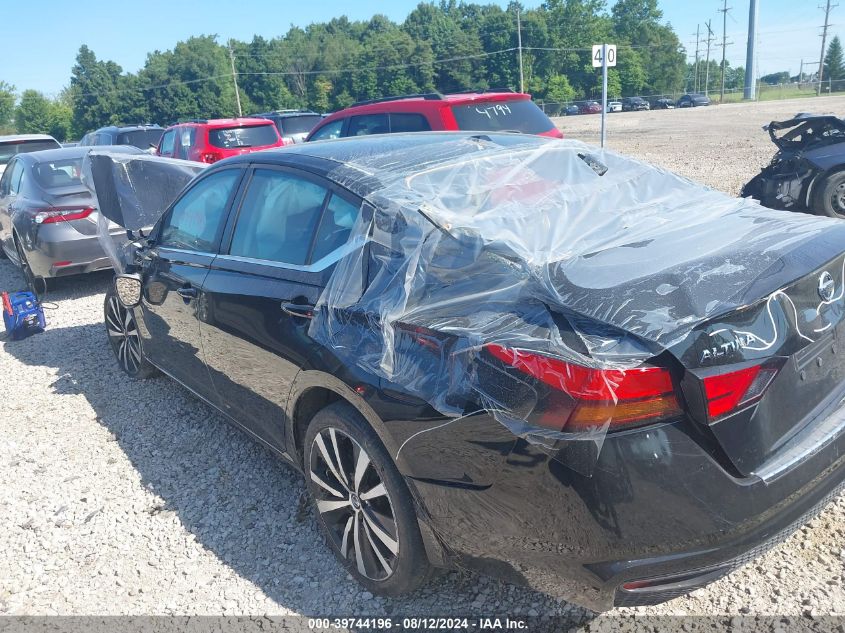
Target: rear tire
(124,338)
(37,285)
(829,198)
(362,504)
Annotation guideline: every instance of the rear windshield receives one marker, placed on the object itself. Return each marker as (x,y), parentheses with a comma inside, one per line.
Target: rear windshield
(502,116)
(10,148)
(140,138)
(59,174)
(299,124)
(235,137)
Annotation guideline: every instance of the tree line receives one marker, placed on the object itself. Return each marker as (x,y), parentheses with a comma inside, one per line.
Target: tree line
(447,46)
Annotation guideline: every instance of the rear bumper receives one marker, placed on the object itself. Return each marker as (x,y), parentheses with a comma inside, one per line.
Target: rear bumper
(658,510)
(64,251)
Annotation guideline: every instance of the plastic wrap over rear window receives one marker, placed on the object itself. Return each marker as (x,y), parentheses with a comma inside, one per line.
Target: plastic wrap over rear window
(238,137)
(502,116)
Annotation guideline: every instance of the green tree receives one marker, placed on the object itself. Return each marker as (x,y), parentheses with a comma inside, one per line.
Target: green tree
(834,64)
(33,114)
(7,105)
(558,92)
(774,79)
(95,88)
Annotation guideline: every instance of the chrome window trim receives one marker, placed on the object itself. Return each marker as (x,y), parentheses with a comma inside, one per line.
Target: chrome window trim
(318,266)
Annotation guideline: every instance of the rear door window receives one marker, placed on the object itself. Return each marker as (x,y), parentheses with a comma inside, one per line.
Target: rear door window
(335,226)
(329,131)
(248,136)
(186,141)
(518,115)
(408,122)
(278,217)
(368,124)
(196,220)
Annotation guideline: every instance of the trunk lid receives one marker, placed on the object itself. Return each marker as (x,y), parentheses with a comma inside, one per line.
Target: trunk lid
(780,299)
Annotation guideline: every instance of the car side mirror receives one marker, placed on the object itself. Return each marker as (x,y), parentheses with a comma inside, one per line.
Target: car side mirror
(128,289)
(595,164)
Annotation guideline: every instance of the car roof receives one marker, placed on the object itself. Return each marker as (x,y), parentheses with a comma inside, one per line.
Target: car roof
(234,122)
(13,138)
(129,128)
(78,151)
(408,152)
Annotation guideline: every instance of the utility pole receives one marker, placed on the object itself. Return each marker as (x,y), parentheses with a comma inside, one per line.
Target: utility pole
(724,11)
(707,62)
(695,79)
(750,92)
(519,48)
(824,42)
(801,74)
(235,78)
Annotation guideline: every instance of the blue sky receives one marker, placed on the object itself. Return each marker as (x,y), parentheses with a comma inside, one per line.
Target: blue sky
(41,37)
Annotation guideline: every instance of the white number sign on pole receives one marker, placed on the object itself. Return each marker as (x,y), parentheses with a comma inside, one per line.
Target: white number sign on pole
(598,58)
(604,55)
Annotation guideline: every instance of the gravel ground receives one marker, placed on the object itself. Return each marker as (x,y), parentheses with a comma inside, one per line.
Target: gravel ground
(122,497)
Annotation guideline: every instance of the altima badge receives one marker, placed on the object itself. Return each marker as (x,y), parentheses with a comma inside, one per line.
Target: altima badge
(826,286)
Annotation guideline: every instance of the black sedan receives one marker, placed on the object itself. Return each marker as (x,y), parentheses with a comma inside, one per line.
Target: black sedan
(529,357)
(693,100)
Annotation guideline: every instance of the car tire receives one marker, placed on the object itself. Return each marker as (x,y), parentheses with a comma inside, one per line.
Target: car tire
(124,338)
(36,285)
(829,197)
(344,458)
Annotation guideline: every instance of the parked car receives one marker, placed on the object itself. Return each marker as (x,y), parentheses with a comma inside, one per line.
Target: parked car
(634,104)
(571,110)
(293,125)
(664,104)
(11,146)
(48,224)
(485,351)
(144,136)
(590,107)
(210,140)
(807,173)
(481,111)
(693,101)
(614,106)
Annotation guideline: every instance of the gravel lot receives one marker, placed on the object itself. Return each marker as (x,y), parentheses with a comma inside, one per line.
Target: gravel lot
(133,498)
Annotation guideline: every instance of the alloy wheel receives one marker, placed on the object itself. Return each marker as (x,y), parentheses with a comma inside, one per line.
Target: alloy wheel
(354,504)
(123,335)
(837,200)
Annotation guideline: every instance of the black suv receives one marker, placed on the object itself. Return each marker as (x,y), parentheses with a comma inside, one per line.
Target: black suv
(633,104)
(143,136)
(476,363)
(293,125)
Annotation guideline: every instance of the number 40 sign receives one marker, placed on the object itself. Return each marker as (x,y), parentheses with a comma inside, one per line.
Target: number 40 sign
(611,55)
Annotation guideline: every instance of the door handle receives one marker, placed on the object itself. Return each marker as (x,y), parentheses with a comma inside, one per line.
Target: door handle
(298,310)
(187,293)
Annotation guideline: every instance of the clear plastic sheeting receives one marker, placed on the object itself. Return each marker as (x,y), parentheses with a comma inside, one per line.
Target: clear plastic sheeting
(132,192)
(540,282)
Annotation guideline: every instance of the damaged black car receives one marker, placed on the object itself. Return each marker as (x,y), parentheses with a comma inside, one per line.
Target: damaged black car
(808,171)
(529,357)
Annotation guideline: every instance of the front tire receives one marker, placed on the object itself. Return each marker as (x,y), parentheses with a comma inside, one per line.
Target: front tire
(363,506)
(829,199)
(124,338)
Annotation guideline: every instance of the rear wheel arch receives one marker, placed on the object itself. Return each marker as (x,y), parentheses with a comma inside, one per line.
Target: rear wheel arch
(314,390)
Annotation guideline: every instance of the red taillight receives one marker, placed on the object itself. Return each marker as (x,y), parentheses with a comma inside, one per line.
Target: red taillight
(210,157)
(61,214)
(729,392)
(620,397)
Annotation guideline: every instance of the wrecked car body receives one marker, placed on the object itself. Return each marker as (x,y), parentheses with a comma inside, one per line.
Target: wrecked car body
(587,374)
(808,171)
